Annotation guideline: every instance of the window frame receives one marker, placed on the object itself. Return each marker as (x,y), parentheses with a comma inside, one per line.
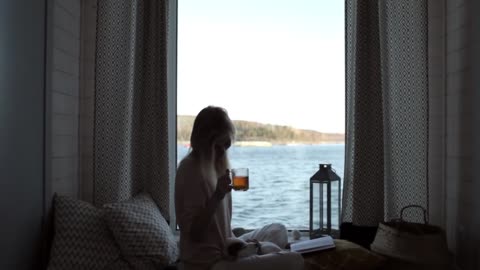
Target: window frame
(172,22)
(172,54)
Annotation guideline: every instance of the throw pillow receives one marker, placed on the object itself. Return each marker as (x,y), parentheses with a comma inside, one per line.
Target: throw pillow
(345,256)
(81,237)
(142,233)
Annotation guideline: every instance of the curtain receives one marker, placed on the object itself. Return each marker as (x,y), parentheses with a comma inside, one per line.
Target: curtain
(386,166)
(130,126)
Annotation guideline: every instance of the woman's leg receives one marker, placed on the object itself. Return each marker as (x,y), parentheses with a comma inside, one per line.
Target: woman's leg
(279,261)
(275,233)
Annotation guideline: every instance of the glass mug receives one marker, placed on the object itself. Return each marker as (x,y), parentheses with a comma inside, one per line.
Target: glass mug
(240,179)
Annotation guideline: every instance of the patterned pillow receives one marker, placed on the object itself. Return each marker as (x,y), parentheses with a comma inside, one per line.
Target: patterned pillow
(81,237)
(142,233)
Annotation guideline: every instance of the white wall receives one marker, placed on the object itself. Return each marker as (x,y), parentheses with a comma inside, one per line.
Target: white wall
(437,123)
(459,134)
(451,127)
(87,95)
(452,185)
(63,94)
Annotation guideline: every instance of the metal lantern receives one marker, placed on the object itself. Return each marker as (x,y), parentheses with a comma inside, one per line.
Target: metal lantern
(324,179)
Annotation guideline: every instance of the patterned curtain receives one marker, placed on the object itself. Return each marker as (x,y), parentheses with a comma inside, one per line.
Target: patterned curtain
(386,110)
(131,139)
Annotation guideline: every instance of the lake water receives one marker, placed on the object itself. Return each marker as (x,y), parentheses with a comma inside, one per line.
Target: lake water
(279,183)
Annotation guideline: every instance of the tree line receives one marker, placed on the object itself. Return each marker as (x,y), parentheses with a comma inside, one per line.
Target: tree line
(253,131)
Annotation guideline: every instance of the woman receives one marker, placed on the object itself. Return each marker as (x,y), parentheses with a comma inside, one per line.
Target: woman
(203,202)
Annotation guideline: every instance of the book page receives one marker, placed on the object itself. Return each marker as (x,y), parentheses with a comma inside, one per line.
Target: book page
(313,244)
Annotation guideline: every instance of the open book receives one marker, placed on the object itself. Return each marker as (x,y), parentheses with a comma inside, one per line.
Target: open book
(325,242)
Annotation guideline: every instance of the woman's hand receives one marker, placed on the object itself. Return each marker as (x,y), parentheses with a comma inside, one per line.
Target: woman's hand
(223,185)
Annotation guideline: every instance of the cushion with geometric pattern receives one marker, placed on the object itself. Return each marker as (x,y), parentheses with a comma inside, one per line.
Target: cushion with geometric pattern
(144,236)
(81,237)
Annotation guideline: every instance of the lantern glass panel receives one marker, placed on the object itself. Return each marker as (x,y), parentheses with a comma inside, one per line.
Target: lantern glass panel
(316,206)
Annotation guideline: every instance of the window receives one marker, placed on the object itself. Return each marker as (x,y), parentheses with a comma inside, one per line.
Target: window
(278,69)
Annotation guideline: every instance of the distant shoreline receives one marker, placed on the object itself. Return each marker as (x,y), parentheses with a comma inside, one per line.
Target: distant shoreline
(257,134)
(269,144)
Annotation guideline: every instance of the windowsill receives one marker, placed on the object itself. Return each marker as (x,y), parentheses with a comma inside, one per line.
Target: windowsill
(304,236)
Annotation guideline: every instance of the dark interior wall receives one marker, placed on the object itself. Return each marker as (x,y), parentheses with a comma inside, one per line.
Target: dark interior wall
(476,129)
(22,98)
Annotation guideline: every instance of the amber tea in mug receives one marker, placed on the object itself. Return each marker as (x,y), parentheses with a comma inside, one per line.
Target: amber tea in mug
(240,179)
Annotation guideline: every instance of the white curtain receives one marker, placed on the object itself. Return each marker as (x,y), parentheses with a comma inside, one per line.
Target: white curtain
(386,166)
(131,125)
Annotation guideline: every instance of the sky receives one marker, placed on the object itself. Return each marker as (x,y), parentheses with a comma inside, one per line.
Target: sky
(268,61)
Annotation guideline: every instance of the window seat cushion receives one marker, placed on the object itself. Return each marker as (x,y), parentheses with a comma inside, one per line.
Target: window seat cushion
(345,256)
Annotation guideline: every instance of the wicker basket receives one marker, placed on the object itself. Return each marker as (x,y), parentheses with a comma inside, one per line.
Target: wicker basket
(412,242)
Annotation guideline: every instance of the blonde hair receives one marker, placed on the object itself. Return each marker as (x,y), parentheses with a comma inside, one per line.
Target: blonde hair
(211,124)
